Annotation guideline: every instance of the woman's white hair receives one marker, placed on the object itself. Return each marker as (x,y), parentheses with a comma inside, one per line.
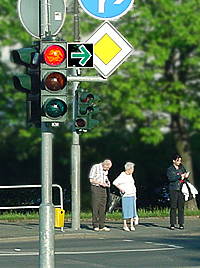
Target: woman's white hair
(129,165)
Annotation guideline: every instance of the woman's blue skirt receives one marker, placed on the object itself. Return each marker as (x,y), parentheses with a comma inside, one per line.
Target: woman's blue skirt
(129,207)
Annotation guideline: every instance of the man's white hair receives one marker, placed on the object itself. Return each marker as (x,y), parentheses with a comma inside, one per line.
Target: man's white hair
(129,165)
(107,162)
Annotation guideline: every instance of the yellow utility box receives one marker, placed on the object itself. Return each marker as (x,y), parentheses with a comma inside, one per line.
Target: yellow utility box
(59,217)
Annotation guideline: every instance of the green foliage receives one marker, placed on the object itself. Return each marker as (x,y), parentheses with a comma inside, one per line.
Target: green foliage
(161,77)
(159,80)
(116,216)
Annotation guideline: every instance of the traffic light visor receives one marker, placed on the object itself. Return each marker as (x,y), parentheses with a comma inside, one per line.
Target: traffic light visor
(55,81)
(54,55)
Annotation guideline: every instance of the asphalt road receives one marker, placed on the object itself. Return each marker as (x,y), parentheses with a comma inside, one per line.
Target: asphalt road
(151,245)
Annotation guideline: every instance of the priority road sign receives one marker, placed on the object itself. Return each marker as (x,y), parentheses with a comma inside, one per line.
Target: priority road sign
(80,55)
(110,49)
(106,9)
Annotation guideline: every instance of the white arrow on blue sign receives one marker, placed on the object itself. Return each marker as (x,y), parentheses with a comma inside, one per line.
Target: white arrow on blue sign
(106,9)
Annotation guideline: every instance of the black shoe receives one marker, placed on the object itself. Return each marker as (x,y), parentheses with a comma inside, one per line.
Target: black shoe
(181,226)
(172,227)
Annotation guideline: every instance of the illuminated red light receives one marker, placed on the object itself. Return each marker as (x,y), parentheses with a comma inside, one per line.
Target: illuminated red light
(54,55)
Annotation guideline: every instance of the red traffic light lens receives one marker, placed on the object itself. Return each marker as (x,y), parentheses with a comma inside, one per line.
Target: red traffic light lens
(55,81)
(54,55)
(86,97)
(80,122)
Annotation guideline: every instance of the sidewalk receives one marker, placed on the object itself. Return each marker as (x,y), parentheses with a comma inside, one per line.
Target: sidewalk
(29,230)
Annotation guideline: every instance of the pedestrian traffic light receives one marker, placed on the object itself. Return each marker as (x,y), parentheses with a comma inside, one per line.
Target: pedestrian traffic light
(29,81)
(86,104)
(53,79)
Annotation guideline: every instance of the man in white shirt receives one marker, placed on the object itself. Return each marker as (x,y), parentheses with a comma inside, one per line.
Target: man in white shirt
(98,177)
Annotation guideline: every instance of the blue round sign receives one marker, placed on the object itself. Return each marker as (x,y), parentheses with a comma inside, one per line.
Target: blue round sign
(106,9)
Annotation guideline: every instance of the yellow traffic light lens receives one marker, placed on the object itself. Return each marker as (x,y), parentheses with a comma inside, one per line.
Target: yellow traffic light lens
(55,81)
(54,55)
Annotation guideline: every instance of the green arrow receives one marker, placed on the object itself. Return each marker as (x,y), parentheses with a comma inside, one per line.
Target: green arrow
(85,55)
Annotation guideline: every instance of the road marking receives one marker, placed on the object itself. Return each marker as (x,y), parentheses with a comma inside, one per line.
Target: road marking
(172,247)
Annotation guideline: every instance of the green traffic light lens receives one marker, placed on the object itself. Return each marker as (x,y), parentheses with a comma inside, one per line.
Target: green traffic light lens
(55,108)
(80,122)
(55,81)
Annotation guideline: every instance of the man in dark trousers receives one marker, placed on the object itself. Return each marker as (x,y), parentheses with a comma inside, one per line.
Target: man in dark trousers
(98,177)
(176,174)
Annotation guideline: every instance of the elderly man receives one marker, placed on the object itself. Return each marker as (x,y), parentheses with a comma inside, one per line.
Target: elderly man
(99,182)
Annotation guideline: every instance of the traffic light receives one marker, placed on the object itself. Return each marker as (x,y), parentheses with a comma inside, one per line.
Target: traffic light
(86,104)
(54,108)
(29,81)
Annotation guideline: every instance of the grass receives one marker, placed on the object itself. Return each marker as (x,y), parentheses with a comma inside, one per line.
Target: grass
(143,213)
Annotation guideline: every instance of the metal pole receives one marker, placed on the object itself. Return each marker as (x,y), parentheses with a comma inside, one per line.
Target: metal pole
(75,182)
(86,79)
(75,149)
(46,210)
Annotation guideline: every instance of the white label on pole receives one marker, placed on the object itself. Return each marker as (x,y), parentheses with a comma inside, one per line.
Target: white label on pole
(58,16)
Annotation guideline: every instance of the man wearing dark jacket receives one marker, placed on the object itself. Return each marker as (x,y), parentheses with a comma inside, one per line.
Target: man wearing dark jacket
(176,174)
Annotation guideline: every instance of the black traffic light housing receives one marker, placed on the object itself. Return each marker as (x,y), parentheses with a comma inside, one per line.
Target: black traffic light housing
(29,82)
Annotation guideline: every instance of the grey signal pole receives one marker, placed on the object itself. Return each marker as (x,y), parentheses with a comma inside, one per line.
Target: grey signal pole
(46,210)
(75,149)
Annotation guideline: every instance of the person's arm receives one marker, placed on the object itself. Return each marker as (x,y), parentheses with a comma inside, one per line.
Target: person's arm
(185,174)
(119,187)
(172,175)
(117,183)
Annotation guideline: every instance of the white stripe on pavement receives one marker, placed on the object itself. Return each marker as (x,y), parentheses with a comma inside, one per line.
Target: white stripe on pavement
(172,247)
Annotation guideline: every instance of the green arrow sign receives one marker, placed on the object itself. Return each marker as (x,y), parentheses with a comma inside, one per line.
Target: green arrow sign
(84,55)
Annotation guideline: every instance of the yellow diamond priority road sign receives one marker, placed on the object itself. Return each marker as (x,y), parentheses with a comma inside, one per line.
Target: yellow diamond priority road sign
(110,49)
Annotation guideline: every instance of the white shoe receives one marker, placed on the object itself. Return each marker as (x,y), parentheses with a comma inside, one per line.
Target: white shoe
(125,228)
(106,229)
(136,221)
(96,229)
(132,228)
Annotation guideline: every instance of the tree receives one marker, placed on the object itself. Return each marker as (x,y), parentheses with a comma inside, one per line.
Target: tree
(158,89)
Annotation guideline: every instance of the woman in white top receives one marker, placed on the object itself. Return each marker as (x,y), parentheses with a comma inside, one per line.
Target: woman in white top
(126,184)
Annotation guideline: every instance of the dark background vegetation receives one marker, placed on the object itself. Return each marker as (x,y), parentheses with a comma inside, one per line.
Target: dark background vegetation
(150,173)
(156,88)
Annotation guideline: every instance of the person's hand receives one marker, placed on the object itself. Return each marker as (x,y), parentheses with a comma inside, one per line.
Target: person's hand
(187,174)
(104,184)
(183,176)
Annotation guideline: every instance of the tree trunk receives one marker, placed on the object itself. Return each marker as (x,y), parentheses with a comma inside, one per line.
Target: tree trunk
(183,148)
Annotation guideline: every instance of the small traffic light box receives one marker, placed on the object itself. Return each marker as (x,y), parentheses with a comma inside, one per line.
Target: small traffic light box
(29,82)
(86,104)
(53,79)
